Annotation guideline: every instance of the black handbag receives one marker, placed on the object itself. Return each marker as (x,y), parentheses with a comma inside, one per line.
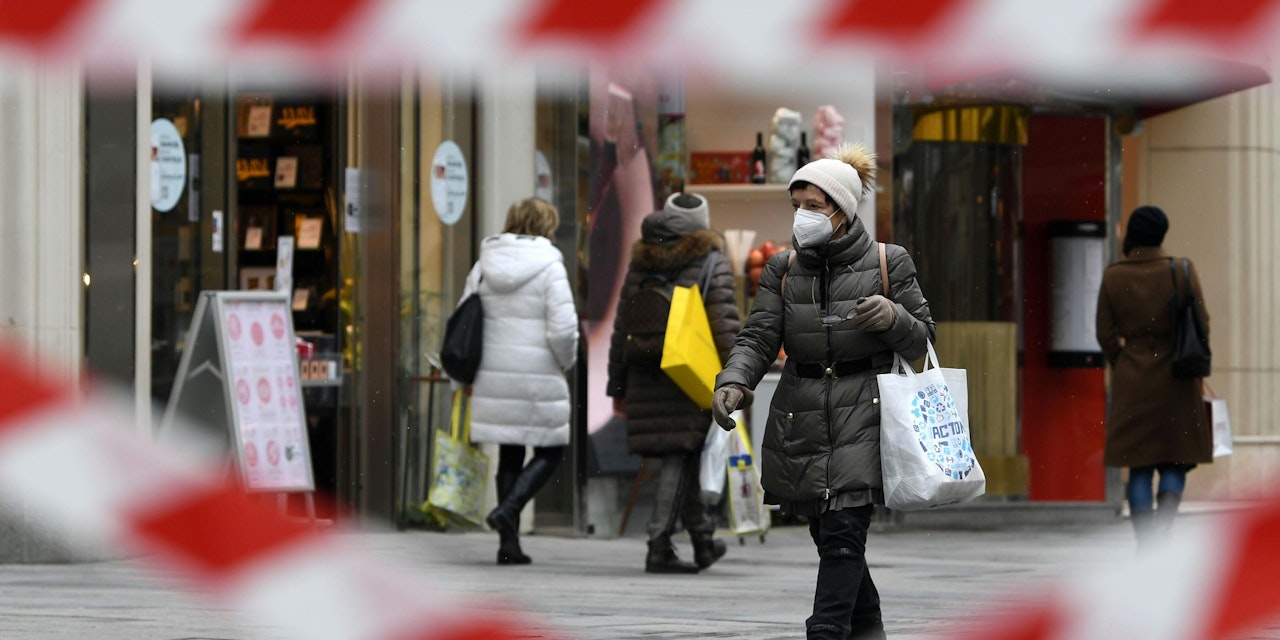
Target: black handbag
(1191,355)
(464,340)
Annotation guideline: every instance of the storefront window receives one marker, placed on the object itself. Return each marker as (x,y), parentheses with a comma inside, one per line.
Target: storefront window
(561,177)
(437,239)
(284,231)
(178,253)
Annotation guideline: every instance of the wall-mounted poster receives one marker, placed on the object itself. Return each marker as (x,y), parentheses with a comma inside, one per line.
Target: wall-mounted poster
(449,182)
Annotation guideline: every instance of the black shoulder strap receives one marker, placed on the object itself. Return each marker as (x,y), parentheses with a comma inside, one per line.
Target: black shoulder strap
(1173,273)
(1186,276)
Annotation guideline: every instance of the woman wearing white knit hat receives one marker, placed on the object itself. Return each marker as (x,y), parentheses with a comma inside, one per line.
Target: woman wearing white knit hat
(840,316)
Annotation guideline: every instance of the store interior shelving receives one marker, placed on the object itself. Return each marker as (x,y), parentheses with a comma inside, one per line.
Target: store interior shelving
(719,119)
(285,179)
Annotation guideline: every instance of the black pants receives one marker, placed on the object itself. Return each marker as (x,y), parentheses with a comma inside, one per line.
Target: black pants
(511,457)
(846,604)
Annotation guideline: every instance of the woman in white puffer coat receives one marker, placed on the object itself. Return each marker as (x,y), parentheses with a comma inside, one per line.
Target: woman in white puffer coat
(520,397)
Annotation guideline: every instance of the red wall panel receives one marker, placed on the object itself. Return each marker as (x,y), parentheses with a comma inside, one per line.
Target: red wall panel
(1063,410)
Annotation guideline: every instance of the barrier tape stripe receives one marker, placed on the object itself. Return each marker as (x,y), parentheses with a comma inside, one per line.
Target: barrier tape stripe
(1248,594)
(905,21)
(36,24)
(1215,581)
(1208,20)
(205,32)
(302,22)
(80,470)
(23,394)
(191,533)
(590,20)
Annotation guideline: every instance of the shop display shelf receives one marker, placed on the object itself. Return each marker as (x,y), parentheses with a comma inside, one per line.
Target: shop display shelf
(735,188)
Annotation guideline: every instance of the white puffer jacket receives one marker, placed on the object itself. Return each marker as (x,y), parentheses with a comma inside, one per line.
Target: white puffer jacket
(520,395)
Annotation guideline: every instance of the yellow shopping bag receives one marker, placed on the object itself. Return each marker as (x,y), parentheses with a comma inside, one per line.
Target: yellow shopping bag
(461,472)
(689,355)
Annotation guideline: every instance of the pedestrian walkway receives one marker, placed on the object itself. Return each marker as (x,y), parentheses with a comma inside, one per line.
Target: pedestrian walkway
(930,581)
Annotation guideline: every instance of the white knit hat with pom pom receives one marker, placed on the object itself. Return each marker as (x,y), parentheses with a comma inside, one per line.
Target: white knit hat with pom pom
(847,175)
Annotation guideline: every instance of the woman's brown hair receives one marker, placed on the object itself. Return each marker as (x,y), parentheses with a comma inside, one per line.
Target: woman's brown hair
(532,217)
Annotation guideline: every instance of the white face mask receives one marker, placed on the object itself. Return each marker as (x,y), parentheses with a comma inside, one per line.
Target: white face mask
(811,228)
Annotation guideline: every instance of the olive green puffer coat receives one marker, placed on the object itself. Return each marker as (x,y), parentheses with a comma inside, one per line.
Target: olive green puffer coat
(661,419)
(822,442)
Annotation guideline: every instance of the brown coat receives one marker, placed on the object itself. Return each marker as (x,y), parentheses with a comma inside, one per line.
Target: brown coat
(1153,417)
(661,419)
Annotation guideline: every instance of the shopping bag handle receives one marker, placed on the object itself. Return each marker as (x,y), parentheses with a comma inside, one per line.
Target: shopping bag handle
(457,421)
(902,367)
(933,356)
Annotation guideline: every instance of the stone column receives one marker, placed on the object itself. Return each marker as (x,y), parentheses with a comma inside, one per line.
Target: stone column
(41,251)
(1212,167)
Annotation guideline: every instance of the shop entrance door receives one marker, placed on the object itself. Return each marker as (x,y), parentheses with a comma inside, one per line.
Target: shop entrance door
(188,223)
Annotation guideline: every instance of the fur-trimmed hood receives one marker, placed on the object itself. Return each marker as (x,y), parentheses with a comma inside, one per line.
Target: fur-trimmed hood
(671,255)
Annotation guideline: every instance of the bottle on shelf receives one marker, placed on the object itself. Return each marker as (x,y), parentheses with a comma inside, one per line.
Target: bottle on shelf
(802,152)
(757,160)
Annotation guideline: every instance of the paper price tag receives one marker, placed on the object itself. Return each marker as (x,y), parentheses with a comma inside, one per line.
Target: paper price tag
(309,233)
(259,125)
(286,172)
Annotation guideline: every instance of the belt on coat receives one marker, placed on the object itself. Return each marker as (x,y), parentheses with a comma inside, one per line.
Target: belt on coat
(834,369)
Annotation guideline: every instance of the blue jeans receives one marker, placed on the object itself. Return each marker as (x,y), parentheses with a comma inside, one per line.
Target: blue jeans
(1173,479)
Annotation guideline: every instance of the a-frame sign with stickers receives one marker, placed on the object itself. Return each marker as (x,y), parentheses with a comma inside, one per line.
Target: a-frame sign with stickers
(239,379)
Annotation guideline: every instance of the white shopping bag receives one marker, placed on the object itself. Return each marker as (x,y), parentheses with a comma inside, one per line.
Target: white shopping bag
(1220,418)
(925,450)
(715,455)
(747,513)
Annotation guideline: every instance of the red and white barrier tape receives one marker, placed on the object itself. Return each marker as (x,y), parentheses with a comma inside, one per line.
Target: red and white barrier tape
(742,37)
(78,468)
(1215,580)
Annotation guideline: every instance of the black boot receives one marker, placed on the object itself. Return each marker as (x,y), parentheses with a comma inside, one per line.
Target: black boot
(662,558)
(505,518)
(509,551)
(1143,528)
(706,549)
(1167,503)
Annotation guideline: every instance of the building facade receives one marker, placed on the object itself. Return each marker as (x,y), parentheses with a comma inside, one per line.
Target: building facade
(103,279)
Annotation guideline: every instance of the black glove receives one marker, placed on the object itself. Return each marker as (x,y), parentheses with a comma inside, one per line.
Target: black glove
(875,314)
(728,399)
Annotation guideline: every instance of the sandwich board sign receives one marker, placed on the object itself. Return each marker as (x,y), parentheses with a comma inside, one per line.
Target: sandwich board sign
(239,371)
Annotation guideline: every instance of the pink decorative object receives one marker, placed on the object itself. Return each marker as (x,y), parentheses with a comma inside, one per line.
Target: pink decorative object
(828,131)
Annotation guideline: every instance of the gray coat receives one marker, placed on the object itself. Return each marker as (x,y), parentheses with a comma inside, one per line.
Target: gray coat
(822,441)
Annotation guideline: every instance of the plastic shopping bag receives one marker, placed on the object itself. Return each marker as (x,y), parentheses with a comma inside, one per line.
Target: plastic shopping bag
(689,355)
(747,513)
(461,472)
(712,467)
(925,450)
(1220,418)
